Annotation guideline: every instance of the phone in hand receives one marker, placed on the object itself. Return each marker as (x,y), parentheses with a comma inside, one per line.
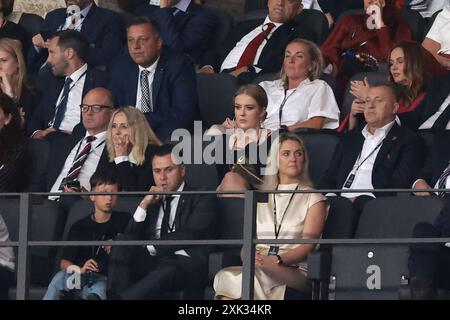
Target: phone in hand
(73,184)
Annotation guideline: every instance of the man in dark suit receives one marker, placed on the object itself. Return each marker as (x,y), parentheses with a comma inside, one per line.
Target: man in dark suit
(236,57)
(185,26)
(158,81)
(102,28)
(59,109)
(68,170)
(436,171)
(150,272)
(380,155)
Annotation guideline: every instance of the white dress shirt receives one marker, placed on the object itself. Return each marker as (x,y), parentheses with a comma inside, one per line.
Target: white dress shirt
(6,253)
(73,114)
(140,214)
(89,165)
(363,175)
(440,30)
(235,54)
(151,75)
(431,120)
(183,5)
(310,99)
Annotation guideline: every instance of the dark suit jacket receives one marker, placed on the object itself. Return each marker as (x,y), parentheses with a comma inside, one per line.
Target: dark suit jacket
(59,151)
(437,90)
(45,111)
(272,55)
(102,28)
(132,177)
(438,160)
(189,32)
(194,220)
(174,91)
(396,165)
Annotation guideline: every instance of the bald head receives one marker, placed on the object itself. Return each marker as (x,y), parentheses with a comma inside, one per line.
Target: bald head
(97,108)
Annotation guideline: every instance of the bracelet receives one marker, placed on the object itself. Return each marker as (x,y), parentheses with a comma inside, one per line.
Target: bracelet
(280,261)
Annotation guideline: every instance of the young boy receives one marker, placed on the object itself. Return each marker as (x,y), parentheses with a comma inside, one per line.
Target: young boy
(90,263)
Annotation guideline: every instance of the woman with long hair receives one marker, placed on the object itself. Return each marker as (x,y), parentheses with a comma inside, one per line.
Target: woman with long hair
(13,151)
(130,141)
(295,216)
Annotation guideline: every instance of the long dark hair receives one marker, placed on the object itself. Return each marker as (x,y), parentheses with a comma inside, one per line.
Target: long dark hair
(11,134)
(415,68)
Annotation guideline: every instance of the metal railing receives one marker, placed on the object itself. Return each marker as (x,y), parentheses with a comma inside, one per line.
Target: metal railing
(252,197)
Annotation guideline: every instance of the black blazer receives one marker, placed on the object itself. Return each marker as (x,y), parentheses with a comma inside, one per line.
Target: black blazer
(103,29)
(438,160)
(174,91)
(132,177)
(272,55)
(396,165)
(194,220)
(45,111)
(59,151)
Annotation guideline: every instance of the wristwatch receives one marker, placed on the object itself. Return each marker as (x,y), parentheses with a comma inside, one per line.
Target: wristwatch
(280,261)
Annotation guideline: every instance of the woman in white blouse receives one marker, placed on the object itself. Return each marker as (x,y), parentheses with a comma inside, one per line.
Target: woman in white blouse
(437,41)
(300,99)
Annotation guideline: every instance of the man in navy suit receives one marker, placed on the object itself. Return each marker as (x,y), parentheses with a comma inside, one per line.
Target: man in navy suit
(185,26)
(102,28)
(59,109)
(157,80)
(282,24)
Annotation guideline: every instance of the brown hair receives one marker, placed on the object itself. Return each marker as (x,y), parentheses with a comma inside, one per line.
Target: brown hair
(415,70)
(256,92)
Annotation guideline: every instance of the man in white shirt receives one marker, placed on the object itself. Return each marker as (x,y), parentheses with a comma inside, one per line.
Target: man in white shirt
(275,31)
(150,272)
(71,172)
(7,265)
(381,155)
(59,109)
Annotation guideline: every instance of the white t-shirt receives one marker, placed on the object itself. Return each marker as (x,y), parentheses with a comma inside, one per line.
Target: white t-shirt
(440,30)
(309,99)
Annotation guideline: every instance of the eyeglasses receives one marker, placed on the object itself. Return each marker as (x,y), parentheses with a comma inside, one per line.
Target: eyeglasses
(94,107)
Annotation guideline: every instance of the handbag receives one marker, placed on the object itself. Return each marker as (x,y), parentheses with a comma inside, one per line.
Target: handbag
(250,172)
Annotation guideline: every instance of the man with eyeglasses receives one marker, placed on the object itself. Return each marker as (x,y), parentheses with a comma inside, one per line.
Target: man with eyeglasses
(70,171)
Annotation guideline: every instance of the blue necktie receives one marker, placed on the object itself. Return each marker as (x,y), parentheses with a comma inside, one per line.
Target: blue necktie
(62,106)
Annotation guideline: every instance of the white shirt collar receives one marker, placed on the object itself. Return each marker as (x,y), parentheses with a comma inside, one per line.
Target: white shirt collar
(77,74)
(383,131)
(183,5)
(179,190)
(86,10)
(267,20)
(151,69)
(100,136)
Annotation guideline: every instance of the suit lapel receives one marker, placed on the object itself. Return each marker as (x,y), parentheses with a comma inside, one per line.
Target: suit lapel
(389,142)
(88,81)
(89,22)
(179,213)
(157,79)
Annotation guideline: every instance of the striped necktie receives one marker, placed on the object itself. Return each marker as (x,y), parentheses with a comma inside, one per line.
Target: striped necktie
(78,162)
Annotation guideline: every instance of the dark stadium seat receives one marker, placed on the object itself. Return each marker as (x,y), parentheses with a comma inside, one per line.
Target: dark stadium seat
(317,22)
(320,145)
(375,271)
(215,94)
(415,22)
(31,23)
(47,224)
(39,151)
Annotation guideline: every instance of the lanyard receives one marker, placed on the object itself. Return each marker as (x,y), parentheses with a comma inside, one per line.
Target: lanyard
(368,156)
(280,112)
(277,227)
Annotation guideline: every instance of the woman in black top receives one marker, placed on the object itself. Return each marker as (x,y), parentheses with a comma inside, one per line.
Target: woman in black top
(13,155)
(9,29)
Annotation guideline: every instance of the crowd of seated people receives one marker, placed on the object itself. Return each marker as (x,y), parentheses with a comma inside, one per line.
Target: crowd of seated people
(111,96)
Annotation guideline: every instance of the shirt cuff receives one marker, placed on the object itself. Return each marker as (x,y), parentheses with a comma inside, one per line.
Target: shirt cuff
(151,249)
(140,214)
(121,159)
(182,253)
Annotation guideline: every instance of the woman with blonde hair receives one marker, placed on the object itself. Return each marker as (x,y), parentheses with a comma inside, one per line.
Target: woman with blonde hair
(299,99)
(130,141)
(13,78)
(285,216)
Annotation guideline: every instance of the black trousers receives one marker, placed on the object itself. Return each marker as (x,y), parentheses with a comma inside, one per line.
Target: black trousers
(6,281)
(429,262)
(134,274)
